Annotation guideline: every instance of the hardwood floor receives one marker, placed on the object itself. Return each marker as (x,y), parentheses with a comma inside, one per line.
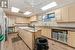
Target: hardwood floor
(13,43)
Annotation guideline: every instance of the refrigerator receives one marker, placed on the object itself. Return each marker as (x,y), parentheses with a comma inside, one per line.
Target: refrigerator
(2,28)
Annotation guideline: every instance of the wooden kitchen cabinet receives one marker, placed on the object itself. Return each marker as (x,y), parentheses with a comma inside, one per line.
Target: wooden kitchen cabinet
(72,13)
(64,14)
(21,20)
(46,32)
(71,38)
(33,18)
(58,15)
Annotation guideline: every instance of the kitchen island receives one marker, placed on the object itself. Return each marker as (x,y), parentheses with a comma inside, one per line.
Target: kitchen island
(28,35)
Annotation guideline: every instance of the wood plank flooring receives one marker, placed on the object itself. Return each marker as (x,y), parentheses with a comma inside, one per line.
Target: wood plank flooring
(15,45)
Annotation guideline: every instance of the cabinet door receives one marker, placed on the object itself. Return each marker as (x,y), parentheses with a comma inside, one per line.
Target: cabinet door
(46,32)
(33,18)
(64,12)
(71,38)
(58,15)
(72,13)
(22,20)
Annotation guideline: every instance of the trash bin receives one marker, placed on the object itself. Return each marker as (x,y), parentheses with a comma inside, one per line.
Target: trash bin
(41,44)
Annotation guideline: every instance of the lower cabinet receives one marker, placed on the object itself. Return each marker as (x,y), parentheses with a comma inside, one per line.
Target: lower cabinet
(71,38)
(46,32)
(65,39)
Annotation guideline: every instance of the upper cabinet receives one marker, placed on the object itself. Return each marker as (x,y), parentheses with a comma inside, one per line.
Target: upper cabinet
(65,14)
(58,15)
(33,18)
(61,14)
(21,20)
(72,13)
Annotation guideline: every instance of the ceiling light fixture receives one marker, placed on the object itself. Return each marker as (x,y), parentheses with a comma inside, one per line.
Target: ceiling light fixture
(53,4)
(14,9)
(27,13)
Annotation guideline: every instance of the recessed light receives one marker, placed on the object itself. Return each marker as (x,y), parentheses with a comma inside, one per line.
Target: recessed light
(14,9)
(50,5)
(27,13)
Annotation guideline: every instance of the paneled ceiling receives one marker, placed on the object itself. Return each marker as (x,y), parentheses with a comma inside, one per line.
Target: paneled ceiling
(35,5)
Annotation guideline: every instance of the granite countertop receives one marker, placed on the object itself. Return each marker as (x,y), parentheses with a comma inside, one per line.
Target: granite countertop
(29,29)
(61,28)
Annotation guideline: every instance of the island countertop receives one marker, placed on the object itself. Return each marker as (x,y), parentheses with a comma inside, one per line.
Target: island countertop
(30,29)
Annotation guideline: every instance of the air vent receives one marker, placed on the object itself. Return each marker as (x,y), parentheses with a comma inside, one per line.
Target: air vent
(4,3)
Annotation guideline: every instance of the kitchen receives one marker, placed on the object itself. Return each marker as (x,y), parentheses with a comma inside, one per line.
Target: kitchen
(26,21)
